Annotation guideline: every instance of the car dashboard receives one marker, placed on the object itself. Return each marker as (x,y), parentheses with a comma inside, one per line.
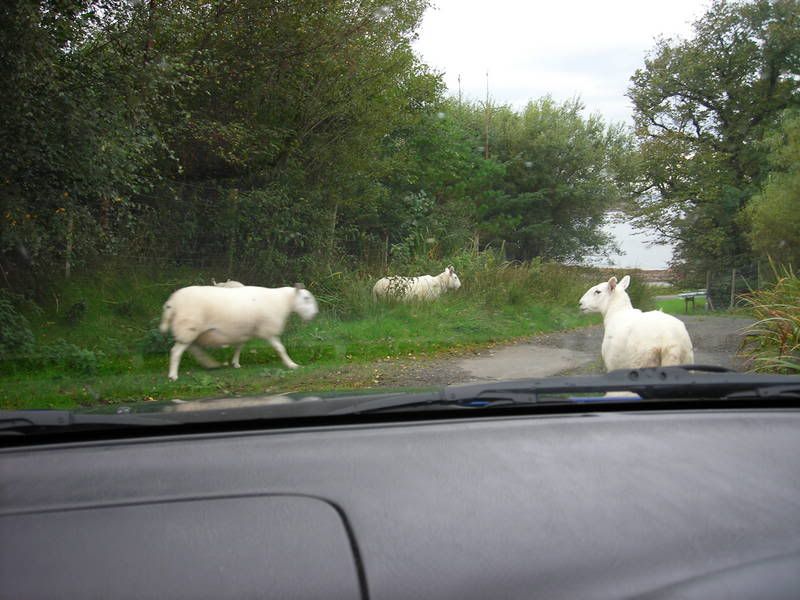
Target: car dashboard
(637,504)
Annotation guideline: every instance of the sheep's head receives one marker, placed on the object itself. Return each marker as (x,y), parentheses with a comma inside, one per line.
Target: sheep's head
(598,297)
(453,282)
(304,303)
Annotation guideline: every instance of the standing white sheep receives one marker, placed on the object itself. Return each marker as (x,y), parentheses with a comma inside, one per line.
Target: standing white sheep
(211,316)
(423,287)
(632,338)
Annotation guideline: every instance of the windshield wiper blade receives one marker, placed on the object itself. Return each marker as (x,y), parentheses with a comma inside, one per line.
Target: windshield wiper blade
(775,391)
(45,421)
(689,381)
(658,383)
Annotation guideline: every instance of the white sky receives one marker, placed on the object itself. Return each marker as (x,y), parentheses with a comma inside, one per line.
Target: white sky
(637,250)
(563,48)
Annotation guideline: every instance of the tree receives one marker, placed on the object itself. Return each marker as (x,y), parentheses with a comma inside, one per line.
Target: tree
(75,140)
(286,100)
(201,120)
(558,181)
(701,107)
(774,213)
(432,180)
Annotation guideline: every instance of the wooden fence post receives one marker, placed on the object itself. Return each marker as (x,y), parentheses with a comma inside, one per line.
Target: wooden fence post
(733,286)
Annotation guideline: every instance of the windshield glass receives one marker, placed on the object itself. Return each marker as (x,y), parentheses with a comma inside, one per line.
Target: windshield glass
(286,200)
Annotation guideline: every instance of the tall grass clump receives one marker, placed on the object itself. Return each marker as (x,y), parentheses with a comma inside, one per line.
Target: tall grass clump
(772,343)
(343,295)
(488,278)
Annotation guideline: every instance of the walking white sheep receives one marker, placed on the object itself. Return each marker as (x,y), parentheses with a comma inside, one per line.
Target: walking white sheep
(632,338)
(423,287)
(212,316)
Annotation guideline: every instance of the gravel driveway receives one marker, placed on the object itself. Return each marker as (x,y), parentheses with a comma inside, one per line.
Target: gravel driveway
(715,338)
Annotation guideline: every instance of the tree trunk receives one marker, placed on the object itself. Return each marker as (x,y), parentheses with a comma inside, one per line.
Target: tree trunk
(234,230)
(68,246)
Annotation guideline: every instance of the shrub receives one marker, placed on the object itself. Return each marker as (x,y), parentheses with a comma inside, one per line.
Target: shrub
(15,333)
(75,313)
(125,308)
(772,343)
(155,342)
(83,361)
(71,357)
(641,294)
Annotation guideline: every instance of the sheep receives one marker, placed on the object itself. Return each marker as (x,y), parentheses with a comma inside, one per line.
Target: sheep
(212,316)
(229,284)
(423,287)
(632,338)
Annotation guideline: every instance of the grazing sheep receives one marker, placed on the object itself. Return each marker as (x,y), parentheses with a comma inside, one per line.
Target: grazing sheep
(632,338)
(212,316)
(424,287)
(230,283)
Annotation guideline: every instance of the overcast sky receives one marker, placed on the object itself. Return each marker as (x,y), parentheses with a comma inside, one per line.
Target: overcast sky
(565,48)
(562,48)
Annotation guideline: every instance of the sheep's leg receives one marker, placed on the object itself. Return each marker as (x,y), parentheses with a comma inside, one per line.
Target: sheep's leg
(203,358)
(175,359)
(236,353)
(276,343)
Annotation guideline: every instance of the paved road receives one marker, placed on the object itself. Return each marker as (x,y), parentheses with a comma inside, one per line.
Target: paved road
(716,340)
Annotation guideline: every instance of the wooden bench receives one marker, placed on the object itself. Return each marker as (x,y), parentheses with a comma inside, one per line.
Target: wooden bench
(690,296)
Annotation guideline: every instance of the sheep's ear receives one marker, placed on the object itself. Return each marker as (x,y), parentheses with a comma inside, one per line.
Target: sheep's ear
(612,283)
(626,281)
(299,286)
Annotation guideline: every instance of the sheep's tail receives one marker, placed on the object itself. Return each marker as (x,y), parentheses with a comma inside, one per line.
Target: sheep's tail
(166,318)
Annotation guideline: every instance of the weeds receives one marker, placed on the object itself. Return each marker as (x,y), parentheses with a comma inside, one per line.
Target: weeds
(772,343)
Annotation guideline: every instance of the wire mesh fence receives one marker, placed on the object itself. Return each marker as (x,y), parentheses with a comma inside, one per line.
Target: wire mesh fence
(724,287)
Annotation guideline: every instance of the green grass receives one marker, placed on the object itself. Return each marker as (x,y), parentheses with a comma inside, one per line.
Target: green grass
(677,306)
(128,359)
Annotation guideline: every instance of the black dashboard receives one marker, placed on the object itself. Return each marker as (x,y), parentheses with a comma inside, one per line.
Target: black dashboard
(651,504)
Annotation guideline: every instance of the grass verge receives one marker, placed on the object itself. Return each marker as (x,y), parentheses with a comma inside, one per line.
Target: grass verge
(96,341)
